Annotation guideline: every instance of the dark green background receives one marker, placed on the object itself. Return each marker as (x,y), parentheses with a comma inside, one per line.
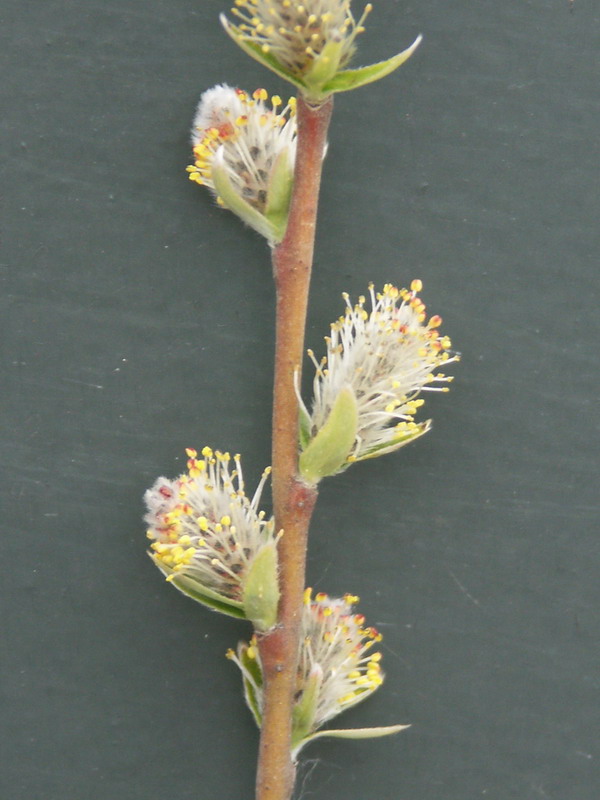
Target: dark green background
(138,321)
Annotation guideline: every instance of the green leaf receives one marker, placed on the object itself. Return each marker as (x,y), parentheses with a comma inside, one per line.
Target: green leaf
(251,678)
(328,452)
(324,67)
(232,200)
(303,714)
(252,700)
(201,594)
(279,194)
(261,589)
(351,733)
(279,190)
(403,438)
(255,51)
(304,427)
(353,78)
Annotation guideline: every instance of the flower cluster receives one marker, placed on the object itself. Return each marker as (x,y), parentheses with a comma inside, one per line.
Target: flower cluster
(379,360)
(207,537)
(337,649)
(244,152)
(297,33)
(336,669)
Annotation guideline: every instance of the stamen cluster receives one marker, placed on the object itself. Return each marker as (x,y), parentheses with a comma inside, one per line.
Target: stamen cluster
(336,669)
(205,532)
(386,357)
(244,136)
(337,645)
(296,33)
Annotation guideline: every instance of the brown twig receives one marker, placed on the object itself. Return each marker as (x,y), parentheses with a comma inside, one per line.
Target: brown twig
(293,500)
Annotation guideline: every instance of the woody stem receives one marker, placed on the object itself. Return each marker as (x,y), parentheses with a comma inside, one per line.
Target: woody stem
(293,500)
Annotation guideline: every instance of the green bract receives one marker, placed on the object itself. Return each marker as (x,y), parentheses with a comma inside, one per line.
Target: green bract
(261,590)
(327,453)
(273,221)
(324,73)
